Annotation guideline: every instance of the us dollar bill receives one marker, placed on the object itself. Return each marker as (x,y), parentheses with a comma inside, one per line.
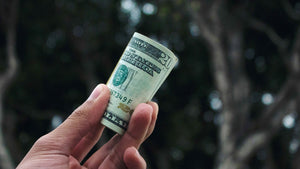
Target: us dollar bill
(141,70)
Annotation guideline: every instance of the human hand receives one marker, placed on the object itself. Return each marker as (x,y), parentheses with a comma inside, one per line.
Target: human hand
(67,145)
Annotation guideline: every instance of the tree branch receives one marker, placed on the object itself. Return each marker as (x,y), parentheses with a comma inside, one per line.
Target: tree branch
(295,55)
(258,25)
(240,82)
(288,90)
(211,32)
(9,18)
(194,8)
(280,43)
(10,30)
(270,121)
(289,10)
(251,144)
(282,98)
(215,16)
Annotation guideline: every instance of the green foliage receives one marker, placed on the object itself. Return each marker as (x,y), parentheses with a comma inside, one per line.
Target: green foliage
(56,39)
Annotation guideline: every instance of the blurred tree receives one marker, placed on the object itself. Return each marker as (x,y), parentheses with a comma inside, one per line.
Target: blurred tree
(8,22)
(222,25)
(249,50)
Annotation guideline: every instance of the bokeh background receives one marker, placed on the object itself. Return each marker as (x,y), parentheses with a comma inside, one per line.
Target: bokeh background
(232,102)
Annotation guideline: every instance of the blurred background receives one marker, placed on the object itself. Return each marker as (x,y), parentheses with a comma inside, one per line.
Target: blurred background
(232,102)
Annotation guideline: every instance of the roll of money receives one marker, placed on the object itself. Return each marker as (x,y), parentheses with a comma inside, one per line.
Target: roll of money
(142,68)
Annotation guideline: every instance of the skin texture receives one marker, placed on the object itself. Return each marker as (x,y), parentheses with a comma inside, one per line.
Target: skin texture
(67,145)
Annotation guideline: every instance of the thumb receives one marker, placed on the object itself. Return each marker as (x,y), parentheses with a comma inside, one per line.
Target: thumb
(85,118)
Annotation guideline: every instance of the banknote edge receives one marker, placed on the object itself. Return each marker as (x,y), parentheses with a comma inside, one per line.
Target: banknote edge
(153,42)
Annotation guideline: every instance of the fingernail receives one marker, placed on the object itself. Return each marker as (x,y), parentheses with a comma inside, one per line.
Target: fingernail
(96,92)
(137,152)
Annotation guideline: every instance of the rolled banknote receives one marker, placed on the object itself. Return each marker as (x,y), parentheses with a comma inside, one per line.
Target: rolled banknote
(141,70)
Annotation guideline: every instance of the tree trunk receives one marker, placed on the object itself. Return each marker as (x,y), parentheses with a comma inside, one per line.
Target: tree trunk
(237,142)
(5,159)
(8,17)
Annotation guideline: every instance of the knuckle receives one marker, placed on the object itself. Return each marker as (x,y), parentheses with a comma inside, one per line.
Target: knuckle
(79,113)
(43,142)
(46,143)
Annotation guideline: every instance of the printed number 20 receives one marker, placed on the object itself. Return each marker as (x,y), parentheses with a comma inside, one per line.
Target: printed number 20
(165,60)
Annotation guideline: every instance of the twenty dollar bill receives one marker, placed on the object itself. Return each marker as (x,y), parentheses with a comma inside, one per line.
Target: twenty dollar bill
(141,70)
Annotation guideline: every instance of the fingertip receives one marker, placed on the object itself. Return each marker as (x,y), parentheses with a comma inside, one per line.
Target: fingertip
(153,118)
(105,92)
(154,106)
(143,112)
(95,93)
(145,106)
(97,102)
(100,91)
(133,159)
(139,123)
(105,88)
(131,153)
